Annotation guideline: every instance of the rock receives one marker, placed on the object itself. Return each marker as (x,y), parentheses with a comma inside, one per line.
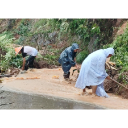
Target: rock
(46,43)
(51,35)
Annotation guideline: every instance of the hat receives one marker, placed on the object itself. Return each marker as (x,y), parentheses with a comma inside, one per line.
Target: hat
(17,50)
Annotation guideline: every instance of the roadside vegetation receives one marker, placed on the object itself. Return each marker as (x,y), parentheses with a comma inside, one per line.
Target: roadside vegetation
(90,34)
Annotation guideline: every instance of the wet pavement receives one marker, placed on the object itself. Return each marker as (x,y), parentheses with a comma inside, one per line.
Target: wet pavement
(16,100)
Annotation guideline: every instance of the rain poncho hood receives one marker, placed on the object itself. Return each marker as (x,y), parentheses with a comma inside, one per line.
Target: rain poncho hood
(67,58)
(75,46)
(109,51)
(92,71)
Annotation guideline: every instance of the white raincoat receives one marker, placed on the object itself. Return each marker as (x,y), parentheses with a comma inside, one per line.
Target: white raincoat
(92,71)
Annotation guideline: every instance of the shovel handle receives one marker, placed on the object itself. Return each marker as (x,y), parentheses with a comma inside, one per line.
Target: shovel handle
(118,83)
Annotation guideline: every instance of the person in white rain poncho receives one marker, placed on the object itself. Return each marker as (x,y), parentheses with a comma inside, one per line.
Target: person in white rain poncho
(93,72)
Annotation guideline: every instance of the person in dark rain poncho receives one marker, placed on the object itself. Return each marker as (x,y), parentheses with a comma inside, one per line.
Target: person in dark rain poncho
(67,59)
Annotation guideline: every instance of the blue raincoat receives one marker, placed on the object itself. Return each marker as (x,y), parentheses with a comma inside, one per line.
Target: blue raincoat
(67,58)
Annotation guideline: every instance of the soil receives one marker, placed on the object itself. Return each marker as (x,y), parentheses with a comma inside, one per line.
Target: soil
(50,82)
(122,28)
(43,64)
(112,87)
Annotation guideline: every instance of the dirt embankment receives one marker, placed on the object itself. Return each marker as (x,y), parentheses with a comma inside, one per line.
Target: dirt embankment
(112,87)
(116,89)
(43,64)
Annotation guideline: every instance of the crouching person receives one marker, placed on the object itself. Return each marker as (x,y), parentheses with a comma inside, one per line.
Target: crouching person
(67,58)
(93,72)
(27,51)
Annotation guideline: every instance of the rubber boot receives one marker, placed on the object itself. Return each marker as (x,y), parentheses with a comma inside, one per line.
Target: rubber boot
(66,76)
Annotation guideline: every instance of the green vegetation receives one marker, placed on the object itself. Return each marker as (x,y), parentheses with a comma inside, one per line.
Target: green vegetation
(68,30)
(81,56)
(9,59)
(52,56)
(120,45)
(90,34)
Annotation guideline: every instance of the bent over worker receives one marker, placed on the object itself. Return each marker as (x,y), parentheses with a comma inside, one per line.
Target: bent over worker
(27,51)
(67,59)
(93,72)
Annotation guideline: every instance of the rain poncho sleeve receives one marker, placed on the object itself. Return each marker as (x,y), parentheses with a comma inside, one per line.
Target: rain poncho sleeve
(71,59)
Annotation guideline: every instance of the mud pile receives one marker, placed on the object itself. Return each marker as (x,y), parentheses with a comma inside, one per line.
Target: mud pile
(109,85)
(43,64)
(112,87)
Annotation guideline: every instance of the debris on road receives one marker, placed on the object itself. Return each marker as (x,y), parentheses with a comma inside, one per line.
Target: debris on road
(55,77)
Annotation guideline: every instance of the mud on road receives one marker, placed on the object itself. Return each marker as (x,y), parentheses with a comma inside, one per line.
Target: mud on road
(18,100)
(50,82)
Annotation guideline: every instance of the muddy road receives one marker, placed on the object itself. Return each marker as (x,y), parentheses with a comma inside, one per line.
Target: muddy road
(50,83)
(17,100)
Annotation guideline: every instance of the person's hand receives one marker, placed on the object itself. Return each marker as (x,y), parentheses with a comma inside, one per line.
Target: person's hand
(22,68)
(108,77)
(77,67)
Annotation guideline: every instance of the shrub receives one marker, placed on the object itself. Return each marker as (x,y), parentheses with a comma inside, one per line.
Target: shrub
(9,59)
(81,56)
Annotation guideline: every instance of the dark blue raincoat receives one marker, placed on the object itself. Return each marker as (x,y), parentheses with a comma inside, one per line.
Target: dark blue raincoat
(67,58)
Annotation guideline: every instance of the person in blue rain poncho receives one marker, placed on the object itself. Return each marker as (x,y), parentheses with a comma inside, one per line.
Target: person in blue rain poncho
(93,72)
(67,59)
